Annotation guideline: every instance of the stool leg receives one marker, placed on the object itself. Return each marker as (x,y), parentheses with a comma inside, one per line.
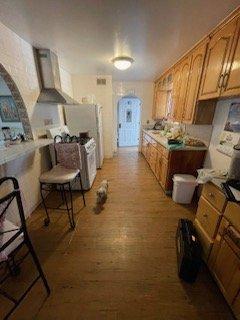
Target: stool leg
(68,210)
(71,199)
(46,220)
(82,191)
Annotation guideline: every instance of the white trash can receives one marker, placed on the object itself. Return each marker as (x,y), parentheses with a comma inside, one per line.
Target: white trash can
(183,188)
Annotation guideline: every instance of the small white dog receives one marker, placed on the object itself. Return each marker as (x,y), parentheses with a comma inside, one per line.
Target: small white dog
(102,192)
(101,196)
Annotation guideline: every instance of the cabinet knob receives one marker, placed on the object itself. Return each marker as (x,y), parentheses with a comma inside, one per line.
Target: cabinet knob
(211,195)
(205,215)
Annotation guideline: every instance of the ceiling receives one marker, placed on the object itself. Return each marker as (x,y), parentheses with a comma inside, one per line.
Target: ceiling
(87,34)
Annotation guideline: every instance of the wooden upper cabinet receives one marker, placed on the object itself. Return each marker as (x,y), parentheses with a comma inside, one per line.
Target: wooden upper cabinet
(197,60)
(231,80)
(216,61)
(161,103)
(154,108)
(161,96)
(185,71)
(180,87)
(175,90)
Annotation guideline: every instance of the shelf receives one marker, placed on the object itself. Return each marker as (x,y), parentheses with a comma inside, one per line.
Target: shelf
(16,151)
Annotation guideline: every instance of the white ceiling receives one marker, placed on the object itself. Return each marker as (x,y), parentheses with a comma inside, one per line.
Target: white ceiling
(87,34)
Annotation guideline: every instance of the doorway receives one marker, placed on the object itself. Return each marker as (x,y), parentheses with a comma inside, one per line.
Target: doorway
(129,119)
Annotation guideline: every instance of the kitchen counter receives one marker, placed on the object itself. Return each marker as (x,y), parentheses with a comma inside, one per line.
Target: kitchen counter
(217,182)
(15,151)
(164,142)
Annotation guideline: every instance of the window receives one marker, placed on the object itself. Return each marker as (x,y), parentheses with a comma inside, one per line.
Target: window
(129,116)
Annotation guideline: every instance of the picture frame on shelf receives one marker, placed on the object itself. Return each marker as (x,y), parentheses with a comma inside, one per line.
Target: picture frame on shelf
(8,109)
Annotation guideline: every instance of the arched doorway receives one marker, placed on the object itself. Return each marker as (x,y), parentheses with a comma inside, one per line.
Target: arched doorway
(129,121)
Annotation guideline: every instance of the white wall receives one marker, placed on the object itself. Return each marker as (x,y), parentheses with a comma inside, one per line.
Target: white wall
(16,55)
(87,86)
(143,90)
(216,159)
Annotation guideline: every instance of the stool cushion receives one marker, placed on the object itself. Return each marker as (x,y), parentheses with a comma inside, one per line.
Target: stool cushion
(8,226)
(59,174)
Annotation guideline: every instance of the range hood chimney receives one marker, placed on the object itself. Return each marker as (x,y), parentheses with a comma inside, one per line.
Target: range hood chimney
(49,79)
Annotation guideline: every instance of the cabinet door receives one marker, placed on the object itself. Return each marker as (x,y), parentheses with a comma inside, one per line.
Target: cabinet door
(148,151)
(144,146)
(216,61)
(163,173)
(161,104)
(154,108)
(231,81)
(159,166)
(198,56)
(185,71)
(226,269)
(153,159)
(180,82)
(175,90)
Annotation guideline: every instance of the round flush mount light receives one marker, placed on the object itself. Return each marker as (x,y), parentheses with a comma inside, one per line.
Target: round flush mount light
(122,63)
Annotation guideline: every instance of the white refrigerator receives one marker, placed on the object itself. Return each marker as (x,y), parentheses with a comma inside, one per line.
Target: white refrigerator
(87,117)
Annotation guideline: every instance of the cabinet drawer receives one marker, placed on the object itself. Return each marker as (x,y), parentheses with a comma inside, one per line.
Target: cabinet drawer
(204,239)
(214,196)
(208,217)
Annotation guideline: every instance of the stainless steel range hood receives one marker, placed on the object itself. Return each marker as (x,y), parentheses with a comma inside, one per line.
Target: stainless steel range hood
(49,79)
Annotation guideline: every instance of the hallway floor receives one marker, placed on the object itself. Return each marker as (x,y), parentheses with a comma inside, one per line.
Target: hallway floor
(121,263)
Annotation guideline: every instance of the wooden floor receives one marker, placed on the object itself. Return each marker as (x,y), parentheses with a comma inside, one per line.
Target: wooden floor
(121,263)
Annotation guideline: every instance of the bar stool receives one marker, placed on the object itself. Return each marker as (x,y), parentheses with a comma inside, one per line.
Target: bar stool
(62,176)
(12,239)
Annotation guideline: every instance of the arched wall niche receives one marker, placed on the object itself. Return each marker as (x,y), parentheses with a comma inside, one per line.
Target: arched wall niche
(22,111)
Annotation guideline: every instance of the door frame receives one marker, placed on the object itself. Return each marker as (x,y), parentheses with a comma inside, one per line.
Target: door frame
(140,111)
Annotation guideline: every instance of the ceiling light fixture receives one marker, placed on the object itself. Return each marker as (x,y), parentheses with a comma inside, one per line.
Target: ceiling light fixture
(122,63)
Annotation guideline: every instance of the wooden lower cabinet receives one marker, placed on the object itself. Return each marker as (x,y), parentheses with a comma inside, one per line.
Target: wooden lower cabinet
(223,245)
(208,217)
(153,158)
(165,163)
(226,268)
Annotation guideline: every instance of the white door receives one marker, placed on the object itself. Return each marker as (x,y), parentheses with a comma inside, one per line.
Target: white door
(129,110)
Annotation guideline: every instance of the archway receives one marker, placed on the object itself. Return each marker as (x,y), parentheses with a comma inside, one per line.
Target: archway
(129,121)
(18,101)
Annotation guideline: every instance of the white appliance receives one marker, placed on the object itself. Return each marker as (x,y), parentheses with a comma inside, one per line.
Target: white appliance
(87,117)
(88,156)
(89,171)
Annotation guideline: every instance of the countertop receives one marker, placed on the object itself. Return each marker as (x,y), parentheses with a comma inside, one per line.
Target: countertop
(164,142)
(15,151)
(217,182)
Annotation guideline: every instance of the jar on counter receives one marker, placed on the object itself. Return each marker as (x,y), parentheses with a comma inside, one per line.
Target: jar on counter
(234,171)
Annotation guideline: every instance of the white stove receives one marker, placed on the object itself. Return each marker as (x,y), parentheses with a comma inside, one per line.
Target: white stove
(89,171)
